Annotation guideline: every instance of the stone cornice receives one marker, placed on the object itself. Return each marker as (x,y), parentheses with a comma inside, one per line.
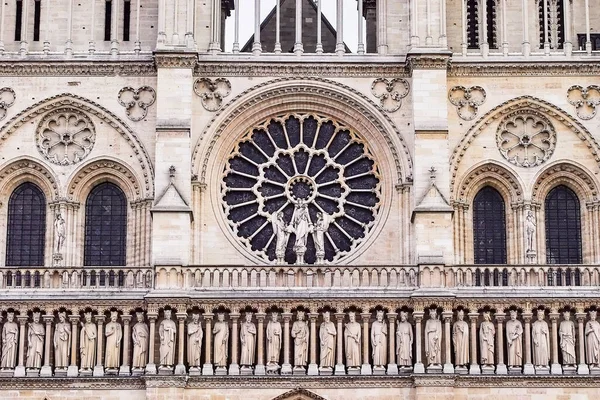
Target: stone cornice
(461,68)
(426,60)
(165,59)
(77,68)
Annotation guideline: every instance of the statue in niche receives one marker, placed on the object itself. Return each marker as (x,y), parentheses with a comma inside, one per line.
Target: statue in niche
(327,334)
(167,332)
(248,339)
(114,335)
(274,334)
(404,341)
(487,334)
(319,230)
(87,342)
(194,345)
(35,343)
(282,233)
(540,336)
(60,233)
(300,333)
(302,226)
(433,338)
(460,339)
(352,336)
(530,228)
(62,342)
(221,338)
(514,334)
(592,340)
(379,340)
(10,338)
(566,333)
(141,336)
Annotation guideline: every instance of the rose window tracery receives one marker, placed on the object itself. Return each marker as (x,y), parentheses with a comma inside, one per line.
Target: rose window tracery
(65,136)
(526,138)
(301,189)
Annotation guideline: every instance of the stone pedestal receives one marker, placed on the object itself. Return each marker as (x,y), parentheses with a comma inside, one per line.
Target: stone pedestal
(448,368)
(582,369)
(207,369)
(286,369)
(405,370)
(246,370)
(58,372)
(19,372)
(272,369)
(556,369)
(220,371)
(501,369)
(365,369)
(195,371)
(515,370)
(234,369)
(260,370)
(299,370)
(165,370)
(474,369)
(137,371)
(419,368)
(434,369)
(392,369)
(111,371)
(487,370)
(461,370)
(569,370)
(46,371)
(180,369)
(313,369)
(84,372)
(73,371)
(378,370)
(151,369)
(32,372)
(542,370)
(340,369)
(98,371)
(353,371)
(528,369)
(594,370)
(124,370)
(325,371)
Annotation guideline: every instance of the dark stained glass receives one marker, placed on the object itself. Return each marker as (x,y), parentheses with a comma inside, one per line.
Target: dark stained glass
(563,227)
(489,227)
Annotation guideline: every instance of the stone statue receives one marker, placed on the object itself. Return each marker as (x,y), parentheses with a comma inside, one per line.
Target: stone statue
(194,345)
(540,336)
(248,339)
(319,230)
(302,226)
(221,338)
(327,334)
(566,333)
(167,332)
(87,342)
(460,339)
(379,340)
(404,341)
(114,335)
(300,333)
(35,343)
(530,228)
(282,233)
(487,334)
(10,339)
(273,339)
(60,233)
(141,336)
(62,342)
(352,336)
(514,333)
(592,340)
(433,338)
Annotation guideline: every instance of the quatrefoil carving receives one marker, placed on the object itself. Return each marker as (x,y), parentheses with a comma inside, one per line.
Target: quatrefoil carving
(390,92)
(137,101)
(585,100)
(212,92)
(7,99)
(467,100)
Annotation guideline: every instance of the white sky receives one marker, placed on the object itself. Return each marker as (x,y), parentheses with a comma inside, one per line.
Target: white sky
(329,10)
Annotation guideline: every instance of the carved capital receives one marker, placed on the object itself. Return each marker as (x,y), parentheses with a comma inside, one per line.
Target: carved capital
(392,317)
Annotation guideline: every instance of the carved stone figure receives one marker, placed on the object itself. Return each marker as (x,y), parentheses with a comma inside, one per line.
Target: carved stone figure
(592,340)
(194,345)
(433,338)
(248,339)
(319,230)
(300,333)
(460,339)
(221,338)
(87,342)
(141,336)
(352,337)
(302,227)
(514,333)
(167,332)
(530,229)
(60,233)
(327,335)
(35,343)
(273,339)
(379,340)
(62,342)
(282,234)
(540,336)
(404,341)
(10,338)
(487,334)
(566,333)
(114,335)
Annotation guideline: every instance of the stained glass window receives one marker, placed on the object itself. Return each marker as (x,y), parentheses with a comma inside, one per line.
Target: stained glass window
(489,227)
(563,227)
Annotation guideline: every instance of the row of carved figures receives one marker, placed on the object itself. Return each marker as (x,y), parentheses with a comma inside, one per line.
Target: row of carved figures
(343,346)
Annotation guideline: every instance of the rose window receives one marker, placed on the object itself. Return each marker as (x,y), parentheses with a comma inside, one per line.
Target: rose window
(526,139)
(65,136)
(301,189)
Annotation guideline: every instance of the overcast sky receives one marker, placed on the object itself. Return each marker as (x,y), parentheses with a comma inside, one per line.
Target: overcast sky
(329,10)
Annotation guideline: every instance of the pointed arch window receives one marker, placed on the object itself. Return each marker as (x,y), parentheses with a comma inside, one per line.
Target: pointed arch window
(489,227)
(563,227)
(105,226)
(26,236)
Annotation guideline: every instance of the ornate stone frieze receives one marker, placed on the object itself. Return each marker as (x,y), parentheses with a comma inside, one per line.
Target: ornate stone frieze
(428,61)
(212,92)
(576,68)
(136,101)
(7,99)
(175,60)
(83,68)
(585,100)
(467,100)
(390,92)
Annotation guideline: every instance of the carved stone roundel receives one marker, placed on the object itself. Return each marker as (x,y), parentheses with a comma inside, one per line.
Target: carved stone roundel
(526,138)
(65,136)
(291,164)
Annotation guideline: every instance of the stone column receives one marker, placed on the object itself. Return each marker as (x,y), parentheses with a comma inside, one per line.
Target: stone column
(448,367)
(392,368)
(260,338)
(151,366)
(20,369)
(286,368)
(73,370)
(313,367)
(340,369)
(99,367)
(234,367)
(500,367)
(365,369)
(180,367)
(207,368)
(582,368)
(47,369)
(555,367)
(419,366)
(528,368)
(125,369)
(474,368)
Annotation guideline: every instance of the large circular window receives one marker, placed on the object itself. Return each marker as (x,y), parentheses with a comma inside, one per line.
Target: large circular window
(301,189)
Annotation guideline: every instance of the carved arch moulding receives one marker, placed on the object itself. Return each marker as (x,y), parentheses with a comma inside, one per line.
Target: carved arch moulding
(25,169)
(568,173)
(490,173)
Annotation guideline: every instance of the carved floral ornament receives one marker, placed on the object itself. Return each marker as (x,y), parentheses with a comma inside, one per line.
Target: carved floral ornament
(585,100)
(7,99)
(136,101)
(467,100)
(526,138)
(212,92)
(390,92)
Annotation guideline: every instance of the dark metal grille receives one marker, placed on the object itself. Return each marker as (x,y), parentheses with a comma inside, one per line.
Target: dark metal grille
(105,226)
(563,227)
(472,24)
(489,227)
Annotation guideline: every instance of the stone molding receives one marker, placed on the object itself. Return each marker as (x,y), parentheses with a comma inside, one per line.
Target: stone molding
(84,68)
(175,60)
(459,68)
(488,172)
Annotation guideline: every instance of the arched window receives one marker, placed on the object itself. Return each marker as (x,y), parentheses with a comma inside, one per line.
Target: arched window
(489,227)
(26,226)
(563,227)
(105,226)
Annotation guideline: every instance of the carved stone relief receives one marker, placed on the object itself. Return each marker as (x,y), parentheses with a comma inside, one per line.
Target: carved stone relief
(136,101)
(467,100)
(212,92)
(585,100)
(7,99)
(390,92)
